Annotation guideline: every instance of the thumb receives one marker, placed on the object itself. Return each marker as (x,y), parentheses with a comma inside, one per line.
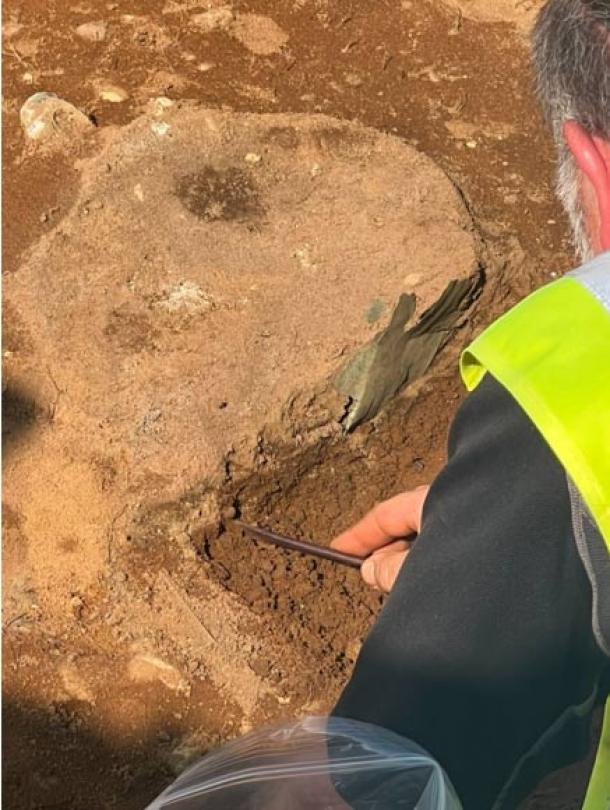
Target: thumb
(380,570)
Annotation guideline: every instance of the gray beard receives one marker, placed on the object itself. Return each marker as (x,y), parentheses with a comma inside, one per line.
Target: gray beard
(569,196)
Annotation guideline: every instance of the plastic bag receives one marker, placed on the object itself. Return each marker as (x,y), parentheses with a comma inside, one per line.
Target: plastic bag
(320,763)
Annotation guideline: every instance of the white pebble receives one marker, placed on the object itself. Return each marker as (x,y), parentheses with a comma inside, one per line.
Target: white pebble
(113,93)
(160,105)
(160,128)
(92,31)
(45,117)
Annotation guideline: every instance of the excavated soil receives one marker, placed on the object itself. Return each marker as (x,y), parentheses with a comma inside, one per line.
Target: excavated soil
(139,408)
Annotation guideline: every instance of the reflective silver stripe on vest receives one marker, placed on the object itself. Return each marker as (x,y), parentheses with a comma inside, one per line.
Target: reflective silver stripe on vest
(595,276)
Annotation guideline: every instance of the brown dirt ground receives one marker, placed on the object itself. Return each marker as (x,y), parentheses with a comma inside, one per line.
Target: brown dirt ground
(91,718)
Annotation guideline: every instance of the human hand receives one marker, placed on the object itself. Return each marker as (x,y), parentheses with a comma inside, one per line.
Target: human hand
(379,536)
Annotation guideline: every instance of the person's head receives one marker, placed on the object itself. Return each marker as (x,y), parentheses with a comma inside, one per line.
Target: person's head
(571,47)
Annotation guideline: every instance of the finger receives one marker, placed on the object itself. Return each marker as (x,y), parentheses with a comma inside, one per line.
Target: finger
(393,547)
(400,516)
(381,570)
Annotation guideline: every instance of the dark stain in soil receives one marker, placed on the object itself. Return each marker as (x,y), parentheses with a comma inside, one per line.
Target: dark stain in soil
(220,194)
(132,331)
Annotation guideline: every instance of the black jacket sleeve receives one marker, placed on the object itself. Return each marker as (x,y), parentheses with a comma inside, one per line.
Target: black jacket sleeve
(484,652)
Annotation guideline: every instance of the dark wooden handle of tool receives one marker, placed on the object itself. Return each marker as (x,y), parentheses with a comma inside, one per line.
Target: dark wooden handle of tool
(301,546)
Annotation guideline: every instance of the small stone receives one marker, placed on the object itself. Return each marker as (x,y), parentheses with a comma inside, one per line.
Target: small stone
(304,257)
(353,79)
(92,31)
(45,118)
(253,158)
(215,19)
(113,93)
(203,67)
(27,78)
(160,105)
(137,190)
(315,170)
(147,668)
(160,128)
(77,606)
(471,144)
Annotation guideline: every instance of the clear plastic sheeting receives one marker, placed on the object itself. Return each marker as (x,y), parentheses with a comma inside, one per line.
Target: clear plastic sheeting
(319,763)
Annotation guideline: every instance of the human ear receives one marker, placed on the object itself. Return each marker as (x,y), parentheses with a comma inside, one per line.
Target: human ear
(592,156)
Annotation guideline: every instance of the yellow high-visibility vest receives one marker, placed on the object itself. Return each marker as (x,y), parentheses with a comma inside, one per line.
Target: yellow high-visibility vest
(552,353)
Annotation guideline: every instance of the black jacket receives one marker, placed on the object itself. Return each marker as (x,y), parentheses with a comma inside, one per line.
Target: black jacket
(491,651)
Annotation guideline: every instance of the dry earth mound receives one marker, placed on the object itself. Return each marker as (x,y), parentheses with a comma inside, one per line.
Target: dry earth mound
(228,293)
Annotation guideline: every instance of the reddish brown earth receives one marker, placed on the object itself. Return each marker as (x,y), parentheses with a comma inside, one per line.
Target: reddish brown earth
(95,713)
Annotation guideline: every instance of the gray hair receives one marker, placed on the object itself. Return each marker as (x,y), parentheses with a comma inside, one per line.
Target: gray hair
(571,51)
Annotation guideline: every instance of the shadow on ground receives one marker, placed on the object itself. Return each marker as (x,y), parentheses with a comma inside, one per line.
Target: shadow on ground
(20,414)
(51,760)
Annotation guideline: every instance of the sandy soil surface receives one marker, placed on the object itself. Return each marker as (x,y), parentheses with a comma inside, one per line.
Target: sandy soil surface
(145,631)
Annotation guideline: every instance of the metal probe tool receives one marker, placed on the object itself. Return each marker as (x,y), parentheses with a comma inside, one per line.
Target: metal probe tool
(301,546)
